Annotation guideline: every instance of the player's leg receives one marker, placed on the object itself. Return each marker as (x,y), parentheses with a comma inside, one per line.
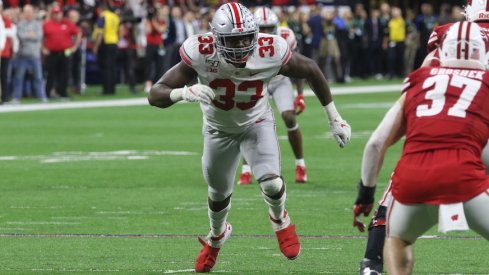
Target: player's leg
(405,223)
(245,178)
(219,163)
(264,159)
(283,96)
(476,211)
(373,260)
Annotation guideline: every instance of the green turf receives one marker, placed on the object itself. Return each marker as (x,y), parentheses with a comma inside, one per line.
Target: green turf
(161,201)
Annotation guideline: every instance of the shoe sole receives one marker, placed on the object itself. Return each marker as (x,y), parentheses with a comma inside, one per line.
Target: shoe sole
(291,259)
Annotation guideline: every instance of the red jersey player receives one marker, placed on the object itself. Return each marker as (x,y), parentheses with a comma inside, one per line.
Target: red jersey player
(477,11)
(444,115)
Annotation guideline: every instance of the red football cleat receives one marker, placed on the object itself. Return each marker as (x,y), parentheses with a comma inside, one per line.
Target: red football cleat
(300,174)
(289,242)
(208,255)
(245,178)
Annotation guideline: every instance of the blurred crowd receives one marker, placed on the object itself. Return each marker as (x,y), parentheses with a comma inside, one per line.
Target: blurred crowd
(50,49)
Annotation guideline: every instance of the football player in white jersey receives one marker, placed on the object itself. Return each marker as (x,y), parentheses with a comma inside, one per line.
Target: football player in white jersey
(234,65)
(282,92)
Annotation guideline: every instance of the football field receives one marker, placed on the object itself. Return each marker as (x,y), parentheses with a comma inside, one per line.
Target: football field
(120,190)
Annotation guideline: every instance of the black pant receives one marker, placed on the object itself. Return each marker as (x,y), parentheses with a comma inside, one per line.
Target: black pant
(109,58)
(396,59)
(126,59)
(57,69)
(153,63)
(4,76)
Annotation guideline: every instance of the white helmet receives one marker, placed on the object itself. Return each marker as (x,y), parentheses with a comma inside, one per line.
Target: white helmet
(477,10)
(464,46)
(235,32)
(266,18)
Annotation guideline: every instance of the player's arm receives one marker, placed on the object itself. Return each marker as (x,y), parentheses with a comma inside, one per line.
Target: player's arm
(299,66)
(171,88)
(390,130)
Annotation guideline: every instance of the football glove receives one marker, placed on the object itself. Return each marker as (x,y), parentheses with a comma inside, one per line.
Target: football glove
(363,205)
(339,127)
(299,104)
(341,131)
(195,93)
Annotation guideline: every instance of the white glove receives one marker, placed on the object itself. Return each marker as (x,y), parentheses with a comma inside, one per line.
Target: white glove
(339,127)
(195,93)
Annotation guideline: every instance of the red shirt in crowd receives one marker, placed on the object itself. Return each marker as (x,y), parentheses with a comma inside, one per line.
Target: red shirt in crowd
(7,51)
(155,37)
(58,36)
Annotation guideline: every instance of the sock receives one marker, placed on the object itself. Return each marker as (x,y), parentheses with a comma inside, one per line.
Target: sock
(218,220)
(276,206)
(300,162)
(246,169)
(375,244)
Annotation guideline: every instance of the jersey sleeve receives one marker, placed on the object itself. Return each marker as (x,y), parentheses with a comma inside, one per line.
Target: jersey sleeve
(188,50)
(436,36)
(284,50)
(196,48)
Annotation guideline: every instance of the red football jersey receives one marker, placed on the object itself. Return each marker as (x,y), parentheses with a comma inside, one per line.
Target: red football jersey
(447,125)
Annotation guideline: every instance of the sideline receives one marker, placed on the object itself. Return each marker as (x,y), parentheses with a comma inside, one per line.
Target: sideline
(143,101)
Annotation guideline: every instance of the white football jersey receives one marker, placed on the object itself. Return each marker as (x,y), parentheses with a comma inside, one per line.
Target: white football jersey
(288,35)
(241,93)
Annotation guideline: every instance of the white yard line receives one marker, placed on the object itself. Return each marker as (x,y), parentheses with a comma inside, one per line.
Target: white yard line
(143,101)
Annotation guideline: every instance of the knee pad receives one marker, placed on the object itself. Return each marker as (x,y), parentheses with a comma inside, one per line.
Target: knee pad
(272,187)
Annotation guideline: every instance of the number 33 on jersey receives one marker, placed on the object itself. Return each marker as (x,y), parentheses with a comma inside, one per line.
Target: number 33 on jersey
(241,96)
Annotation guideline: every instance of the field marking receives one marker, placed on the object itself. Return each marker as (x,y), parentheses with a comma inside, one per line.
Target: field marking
(180,271)
(58,157)
(180,236)
(144,101)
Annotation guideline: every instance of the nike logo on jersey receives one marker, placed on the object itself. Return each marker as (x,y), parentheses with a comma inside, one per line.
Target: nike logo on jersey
(252,74)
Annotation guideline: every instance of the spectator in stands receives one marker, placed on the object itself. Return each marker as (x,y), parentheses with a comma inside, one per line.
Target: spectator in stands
(105,46)
(397,36)
(76,56)
(126,56)
(28,59)
(385,17)
(328,48)
(457,14)
(176,36)
(10,49)
(360,42)
(375,35)
(425,23)
(411,42)
(61,39)
(3,39)
(155,27)
(316,26)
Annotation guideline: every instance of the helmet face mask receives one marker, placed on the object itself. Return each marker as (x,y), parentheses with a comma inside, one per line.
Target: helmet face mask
(464,46)
(266,20)
(235,32)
